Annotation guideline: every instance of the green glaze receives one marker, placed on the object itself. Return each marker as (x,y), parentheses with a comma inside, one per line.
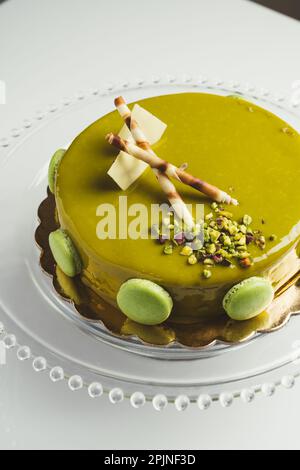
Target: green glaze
(52,171)
(224,143)
(248,299)
(144,302)
(65,253)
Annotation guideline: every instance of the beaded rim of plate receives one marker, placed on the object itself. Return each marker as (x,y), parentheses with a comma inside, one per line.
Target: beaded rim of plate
(8,341)
(116,395)
(281,99)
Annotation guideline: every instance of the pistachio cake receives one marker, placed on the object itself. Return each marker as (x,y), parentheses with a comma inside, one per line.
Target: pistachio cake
(247,151)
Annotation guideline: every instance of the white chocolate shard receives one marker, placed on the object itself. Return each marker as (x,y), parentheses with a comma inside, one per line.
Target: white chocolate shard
(126,169)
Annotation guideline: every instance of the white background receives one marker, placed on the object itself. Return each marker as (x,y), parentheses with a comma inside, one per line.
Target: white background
(52,49)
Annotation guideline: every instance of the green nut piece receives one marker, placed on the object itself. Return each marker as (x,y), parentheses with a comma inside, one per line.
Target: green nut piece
(226,240)
(186,251)
(214,235)
(226,214)
(211,248)
(144,302)
(168,249)
(247,219)
(209,216)
(232,229)
(248,299)
(65,253)
(192,260)
(53,167)
(242,241)
(207,273)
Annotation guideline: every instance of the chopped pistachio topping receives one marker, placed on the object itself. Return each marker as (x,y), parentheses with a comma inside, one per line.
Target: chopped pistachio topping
(260,241)
(211,248)
(241,241)
(226,240)
(186,251)
(214,235)
(247,219)
(209,216)
(207,273)
(192,259)
(227,214)
(168,249)
(216,240)
(244,254)
(209,262)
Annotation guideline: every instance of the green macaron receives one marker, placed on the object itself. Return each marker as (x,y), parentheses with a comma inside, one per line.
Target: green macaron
(65,253)
(144,302)
(248,299)
(53,167)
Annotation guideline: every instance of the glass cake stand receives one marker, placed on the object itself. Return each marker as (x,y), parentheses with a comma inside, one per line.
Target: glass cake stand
(43,328)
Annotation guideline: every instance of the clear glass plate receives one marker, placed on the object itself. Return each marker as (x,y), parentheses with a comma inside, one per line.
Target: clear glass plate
(31,310)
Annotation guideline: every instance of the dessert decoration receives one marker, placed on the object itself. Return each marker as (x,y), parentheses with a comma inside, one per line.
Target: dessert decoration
(170,170)
(248,299)
(145,153)
(244,152)
(65,253)
(152,126)
(126,169)
(163,179)
(53,167)
(226,242)
(144,302)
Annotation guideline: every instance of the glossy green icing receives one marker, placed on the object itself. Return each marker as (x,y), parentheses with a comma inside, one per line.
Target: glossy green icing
(227,142)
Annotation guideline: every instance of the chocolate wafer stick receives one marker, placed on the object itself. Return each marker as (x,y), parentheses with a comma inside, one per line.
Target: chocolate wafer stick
(166,184)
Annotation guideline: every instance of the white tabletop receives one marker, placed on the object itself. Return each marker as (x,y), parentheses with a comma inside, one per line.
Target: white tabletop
(51,49)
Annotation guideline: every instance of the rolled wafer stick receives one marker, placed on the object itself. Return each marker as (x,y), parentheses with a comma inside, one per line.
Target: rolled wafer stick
(210,190)
(175,200)
(166,184)
(141,154)
(172,171)
(164,167)
(139,136)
